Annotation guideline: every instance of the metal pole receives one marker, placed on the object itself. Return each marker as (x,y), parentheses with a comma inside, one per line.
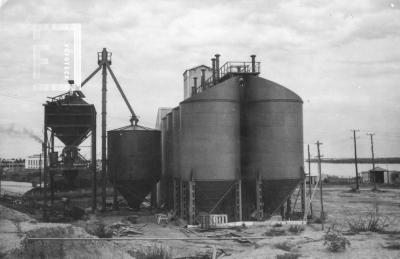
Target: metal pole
(51,171)
(94,165)
(40,170)
(309,178)
(217,66)
(322,216)
(104,132)
(355,158)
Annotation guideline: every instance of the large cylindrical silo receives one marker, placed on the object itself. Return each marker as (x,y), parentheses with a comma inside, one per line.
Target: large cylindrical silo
(272,142)
(134,161)
(210,145)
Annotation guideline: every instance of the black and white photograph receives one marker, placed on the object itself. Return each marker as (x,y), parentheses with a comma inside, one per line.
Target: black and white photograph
(173,129)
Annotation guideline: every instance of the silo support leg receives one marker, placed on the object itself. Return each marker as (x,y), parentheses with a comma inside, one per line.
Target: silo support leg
(238,200)
(192,206)
(288,208)
(259,199)
(181,208)
(185,200)
(303,196)
(175,198)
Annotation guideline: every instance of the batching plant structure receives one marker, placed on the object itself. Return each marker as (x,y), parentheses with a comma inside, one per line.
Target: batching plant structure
(235,146)
(71,119)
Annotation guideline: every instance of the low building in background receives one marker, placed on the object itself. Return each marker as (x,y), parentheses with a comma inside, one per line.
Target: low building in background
(12,165)
(381,175)
(34,162)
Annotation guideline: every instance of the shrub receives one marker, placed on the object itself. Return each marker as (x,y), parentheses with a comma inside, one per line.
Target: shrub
(335,241)
(275,232)
(295,229)
(285,246)
(372,222)
(392,246)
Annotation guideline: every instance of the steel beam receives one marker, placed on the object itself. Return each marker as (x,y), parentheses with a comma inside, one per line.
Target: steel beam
(259,198)
(104,132)
(238,200)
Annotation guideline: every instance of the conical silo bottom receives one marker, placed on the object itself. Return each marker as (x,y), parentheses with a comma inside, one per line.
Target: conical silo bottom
(134,191)
(275,193)
(217,197)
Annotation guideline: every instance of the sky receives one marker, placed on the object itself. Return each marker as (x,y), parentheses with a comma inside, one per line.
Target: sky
(341,57)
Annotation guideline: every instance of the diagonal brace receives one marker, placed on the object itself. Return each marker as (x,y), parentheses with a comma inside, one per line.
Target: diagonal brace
(134,117)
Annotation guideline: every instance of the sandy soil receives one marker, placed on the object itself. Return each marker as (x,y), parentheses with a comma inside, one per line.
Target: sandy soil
(341,206)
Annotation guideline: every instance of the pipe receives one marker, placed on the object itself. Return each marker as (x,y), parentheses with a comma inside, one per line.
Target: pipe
(213,70)
(217,65)
(253,63)
(194,87)
(203,78)
(143,238)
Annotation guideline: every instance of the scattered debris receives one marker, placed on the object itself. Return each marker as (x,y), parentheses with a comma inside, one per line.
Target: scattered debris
(119,229)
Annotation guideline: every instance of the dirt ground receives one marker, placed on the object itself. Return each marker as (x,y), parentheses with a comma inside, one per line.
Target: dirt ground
(340,205)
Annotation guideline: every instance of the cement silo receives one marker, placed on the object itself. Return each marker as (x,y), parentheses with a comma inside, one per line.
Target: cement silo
(210,146)
(134,161)
(272,141)
(238,143)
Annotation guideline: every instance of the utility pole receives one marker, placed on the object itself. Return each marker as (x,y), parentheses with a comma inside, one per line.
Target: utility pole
(373,157)
(322,214)
(309,178)
(355,158)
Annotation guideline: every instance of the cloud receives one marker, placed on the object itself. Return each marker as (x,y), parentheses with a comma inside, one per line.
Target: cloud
(322,49)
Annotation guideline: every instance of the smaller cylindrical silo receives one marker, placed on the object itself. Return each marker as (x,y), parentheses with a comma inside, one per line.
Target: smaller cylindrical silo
(134,161)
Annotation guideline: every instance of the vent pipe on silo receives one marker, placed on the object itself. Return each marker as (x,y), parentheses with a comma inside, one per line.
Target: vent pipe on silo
(194,88)
(203,78)
(217,66)
(213,70)
(253,63)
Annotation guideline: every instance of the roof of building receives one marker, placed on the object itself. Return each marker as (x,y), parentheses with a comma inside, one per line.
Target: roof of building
(196,68)
(377,169)
(35,156)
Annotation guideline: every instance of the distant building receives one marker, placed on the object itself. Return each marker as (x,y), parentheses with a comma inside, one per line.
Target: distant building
(381,175)
(34,162)
(190,74)
(11,165)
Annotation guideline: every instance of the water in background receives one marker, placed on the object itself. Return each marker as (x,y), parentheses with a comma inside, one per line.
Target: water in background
(346,170)
(15,187)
